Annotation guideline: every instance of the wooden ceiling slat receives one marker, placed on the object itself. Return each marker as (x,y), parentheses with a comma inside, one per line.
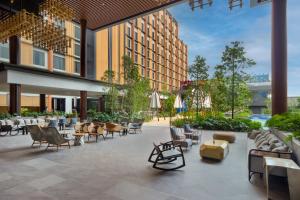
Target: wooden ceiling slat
(101,13)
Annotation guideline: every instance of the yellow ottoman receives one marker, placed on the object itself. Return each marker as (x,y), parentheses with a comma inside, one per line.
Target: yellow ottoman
(227,136)
(215,149)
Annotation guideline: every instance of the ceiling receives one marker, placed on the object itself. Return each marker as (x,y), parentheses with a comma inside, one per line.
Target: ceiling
(98,13)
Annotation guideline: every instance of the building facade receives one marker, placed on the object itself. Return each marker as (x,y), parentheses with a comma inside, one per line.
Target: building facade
(153,44)
(151,41)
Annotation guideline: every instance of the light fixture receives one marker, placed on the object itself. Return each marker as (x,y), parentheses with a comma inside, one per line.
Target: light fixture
(199,3)
(42,29)
(235,3)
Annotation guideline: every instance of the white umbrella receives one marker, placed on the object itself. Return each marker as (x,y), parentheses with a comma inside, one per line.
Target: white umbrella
(178,102)
(155,102)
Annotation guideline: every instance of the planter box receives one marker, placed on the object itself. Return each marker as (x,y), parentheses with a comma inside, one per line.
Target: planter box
(294,145)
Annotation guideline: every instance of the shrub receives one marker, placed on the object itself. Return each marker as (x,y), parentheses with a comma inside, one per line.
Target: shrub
(285,122)
(219,123)
(5,116)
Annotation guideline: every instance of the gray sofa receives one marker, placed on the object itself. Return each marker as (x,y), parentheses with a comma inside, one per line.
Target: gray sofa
(266,143)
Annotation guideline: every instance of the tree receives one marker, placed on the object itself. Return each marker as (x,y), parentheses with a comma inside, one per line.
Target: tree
(235,62)
(218,90)
(199,75)
(111,98)
(137,89)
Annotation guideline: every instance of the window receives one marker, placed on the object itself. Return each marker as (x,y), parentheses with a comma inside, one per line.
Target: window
(142,61)
(77,50)
(4,52)
(77,33)
(129,43)
(153,66)
(153,57)
(142,39)
(148,43)
(135,46)
(129,30)
(153,36)
(143,50)
(148,63)
(59,62)
(143,71)
(135,58)
(135,35)
(129,53)
(153,46)
(143,26)
(39,58)
(77,66)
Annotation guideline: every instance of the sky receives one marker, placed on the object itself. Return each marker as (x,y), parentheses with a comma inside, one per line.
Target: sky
(207,31)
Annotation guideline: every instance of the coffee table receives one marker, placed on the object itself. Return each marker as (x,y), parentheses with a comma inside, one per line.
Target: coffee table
(214,149)
(78,139)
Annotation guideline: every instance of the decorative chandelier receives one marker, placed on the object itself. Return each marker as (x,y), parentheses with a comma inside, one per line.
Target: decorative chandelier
(43,29)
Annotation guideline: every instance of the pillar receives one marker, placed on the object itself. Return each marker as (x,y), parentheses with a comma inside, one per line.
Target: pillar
(15,99)
(83,94)
(83,105)
(42,102)
(83,48)
(101,104)
(14,89)
(279,57)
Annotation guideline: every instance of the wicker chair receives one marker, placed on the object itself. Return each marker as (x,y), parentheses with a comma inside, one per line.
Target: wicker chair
(111,128)
(192,134)
(95,131)
(54,139)
(36,134)
(180,139)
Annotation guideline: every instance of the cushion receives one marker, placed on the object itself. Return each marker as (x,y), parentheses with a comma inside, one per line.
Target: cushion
(264,143)
(261,140)
(275,145)
(281,149)
(227,136)
(254,133)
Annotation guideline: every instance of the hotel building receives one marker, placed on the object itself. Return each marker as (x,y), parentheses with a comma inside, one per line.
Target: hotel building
(151,41)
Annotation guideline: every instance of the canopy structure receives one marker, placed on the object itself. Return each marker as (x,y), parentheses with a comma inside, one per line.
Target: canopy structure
(97,13)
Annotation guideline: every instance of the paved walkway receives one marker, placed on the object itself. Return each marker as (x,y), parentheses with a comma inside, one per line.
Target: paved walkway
(117,169)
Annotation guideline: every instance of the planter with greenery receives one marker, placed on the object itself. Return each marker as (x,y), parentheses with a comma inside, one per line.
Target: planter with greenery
(219,123)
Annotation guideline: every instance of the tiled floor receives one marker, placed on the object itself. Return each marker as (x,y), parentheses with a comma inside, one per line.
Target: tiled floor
(117,169)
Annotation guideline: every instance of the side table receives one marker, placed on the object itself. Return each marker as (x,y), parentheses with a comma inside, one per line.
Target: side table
(270,162)
(78,139)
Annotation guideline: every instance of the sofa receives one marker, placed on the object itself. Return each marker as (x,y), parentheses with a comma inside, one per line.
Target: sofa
(265,143)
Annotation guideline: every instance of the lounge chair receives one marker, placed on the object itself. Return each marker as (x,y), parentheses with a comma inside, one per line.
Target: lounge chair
(72,123)
(180,139)
(111,128)
(135,126)
(54,139)
(163,156)
(36,134)
(192,134)
(95,131)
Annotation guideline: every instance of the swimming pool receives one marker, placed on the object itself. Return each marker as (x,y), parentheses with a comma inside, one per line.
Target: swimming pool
(260,118)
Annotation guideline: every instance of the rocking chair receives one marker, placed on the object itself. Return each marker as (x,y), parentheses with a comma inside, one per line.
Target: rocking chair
(165,154)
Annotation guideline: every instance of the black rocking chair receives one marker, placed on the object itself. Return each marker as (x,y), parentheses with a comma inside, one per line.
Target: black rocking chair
(166,153)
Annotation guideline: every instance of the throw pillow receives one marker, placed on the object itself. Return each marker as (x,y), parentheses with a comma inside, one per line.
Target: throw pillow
(281,149)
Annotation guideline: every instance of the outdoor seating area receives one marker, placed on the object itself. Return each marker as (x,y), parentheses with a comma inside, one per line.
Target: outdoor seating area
(60,131)
(83,163)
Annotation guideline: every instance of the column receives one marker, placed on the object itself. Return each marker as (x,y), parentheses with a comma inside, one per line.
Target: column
(83,105)
(101,104)
(14,89)
(15,99)
(83,48)
(279,57)
(83,94)
(42,102)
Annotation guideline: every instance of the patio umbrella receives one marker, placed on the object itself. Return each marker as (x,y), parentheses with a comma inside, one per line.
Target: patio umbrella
(155,102)
(178,102)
